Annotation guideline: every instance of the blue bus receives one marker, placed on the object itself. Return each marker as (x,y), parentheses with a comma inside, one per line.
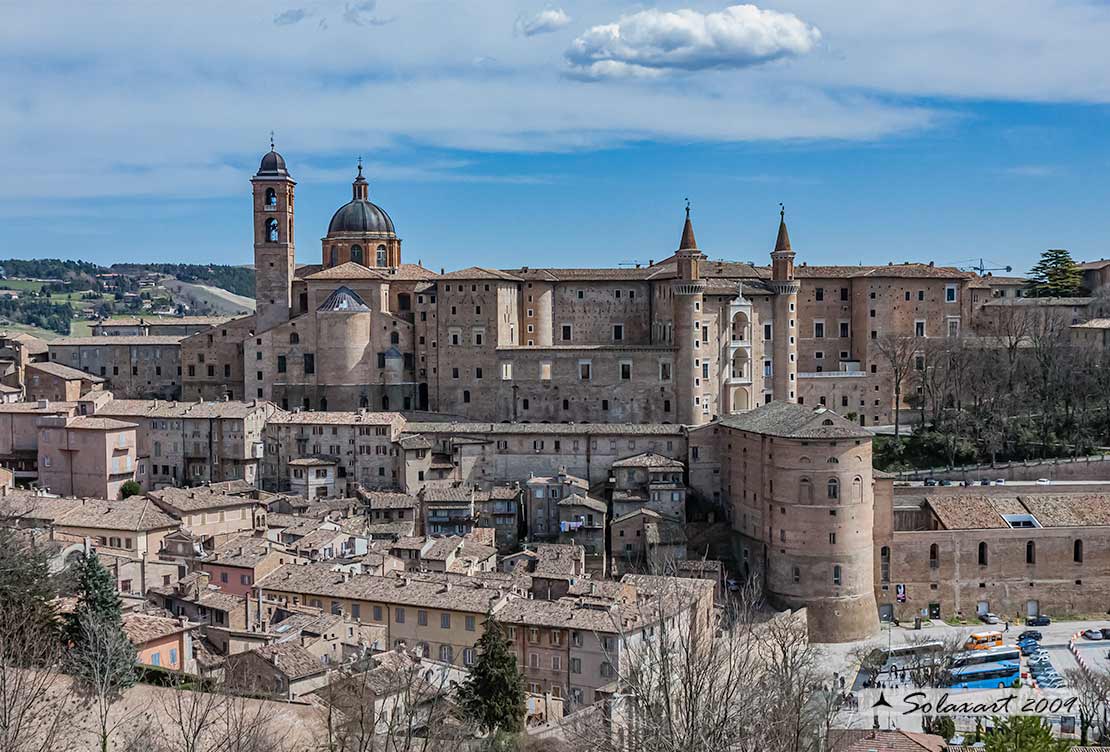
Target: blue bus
(989,655)
(1002,674)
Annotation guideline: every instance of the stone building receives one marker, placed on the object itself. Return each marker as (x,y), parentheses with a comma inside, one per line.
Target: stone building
(85,456)
(57,382)
(133,367)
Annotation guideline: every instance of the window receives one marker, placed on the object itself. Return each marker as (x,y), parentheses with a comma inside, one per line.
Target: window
(1030,553)
(833,488)
(934,556)
(272,230)
(819,294)
(953,327)
(844,293)
(919,328)
(819,329)
(664,371)
(468,656)
(566,332)
(506,371)
(576,665)
(381,255)
(618,332)
(844,329)
(1077,552)
(950,294)
(271,197)
(584,370)
(356,254)
(446,653)
(309,363)
(445,621)
(470,623)
(281,364)
(796,575)
(836,574)
(982,554)
(422,618)
(626,370)
(766,331)
(400,616)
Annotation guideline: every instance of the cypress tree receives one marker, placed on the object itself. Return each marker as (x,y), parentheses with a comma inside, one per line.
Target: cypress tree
(26,587)
(96,597)
(493,695)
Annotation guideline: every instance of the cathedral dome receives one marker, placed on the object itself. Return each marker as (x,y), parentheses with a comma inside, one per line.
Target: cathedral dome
(361,216)
(273,165)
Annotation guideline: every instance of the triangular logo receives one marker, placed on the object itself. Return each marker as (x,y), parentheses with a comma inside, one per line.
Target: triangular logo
(881,702)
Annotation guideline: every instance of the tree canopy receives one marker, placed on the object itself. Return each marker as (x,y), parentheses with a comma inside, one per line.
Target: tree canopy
(1056,275)
(493,694)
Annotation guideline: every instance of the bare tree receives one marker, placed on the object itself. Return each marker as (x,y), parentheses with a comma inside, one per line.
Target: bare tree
(898,353)
(34,701)
(103,662)
(1092,688)
(210,719)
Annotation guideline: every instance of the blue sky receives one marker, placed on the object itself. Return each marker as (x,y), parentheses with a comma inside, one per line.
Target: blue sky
(504,132)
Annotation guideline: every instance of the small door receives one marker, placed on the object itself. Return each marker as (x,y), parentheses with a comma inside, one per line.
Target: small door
(934,610)
(886,612)
(982,608)
(1032,608)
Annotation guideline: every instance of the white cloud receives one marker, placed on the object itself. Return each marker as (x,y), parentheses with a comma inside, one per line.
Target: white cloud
(739,36)
(544,22)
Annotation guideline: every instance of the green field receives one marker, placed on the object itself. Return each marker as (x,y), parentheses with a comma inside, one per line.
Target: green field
(33,330)
(21,284)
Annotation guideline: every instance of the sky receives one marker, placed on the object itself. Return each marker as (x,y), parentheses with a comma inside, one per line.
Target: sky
(503,133)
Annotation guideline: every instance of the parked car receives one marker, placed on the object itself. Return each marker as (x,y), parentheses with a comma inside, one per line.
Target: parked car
(1092,634)
(1043,481)
(945,482)
(989,618)
(1106,633)
(1038,621)
(930,481)
(1029,648)
(1030,634)
(984,482)
(1000,481)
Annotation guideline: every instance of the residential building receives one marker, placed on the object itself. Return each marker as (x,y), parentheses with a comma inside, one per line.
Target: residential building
(85,456)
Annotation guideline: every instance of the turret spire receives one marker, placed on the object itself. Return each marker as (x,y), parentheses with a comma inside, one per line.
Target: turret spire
(782,243)
(360,189)
(688,243)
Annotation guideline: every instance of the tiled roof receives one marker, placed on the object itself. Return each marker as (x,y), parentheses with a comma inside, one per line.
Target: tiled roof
(291,659)
(478,272)
(135,513)
(913,270)
(649,459)
(165,321)
(1038,302)
(320,580)
(64,372)
(160,340)
(388,500)
(1100,264)
(243,551)
(143,628)
(969,512)
(579,500)
(545,428)
(868,740)
(197,499)
(1093,324)
(414,442)
(312,461)
(337,418)
(790,420)
(98,424)
(348,270)
(446,492)
(30,342)
(51,408)
(1069,509)
(408,272)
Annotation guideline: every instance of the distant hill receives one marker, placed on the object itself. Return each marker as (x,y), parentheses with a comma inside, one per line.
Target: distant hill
(235,279)
(81,275)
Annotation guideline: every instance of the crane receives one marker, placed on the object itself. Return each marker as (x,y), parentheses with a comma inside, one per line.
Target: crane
(982,268)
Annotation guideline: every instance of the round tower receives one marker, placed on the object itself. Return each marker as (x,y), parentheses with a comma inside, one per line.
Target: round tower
(688,290)
(820,552)
(785,328)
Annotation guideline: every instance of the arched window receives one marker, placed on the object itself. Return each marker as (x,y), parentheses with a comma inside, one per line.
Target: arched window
(333,256)
(832,461)
(805,490)
(857,488)
(381,255)
(294,338)
(385,401)
(271,197)
(1077,552)
(826,422)
(934,556)
(836,574)
(394,338)
(834,488)
(466,396)
(324,404)
(982,554)
(1030,553)
(272,230)
(356,254)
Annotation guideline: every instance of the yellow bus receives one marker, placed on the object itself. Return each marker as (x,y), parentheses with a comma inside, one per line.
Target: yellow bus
(983,640)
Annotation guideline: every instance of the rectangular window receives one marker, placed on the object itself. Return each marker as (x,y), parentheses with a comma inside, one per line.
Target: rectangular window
(422,618)
(626,371)
(919,328)
(566,332)
(766,331)
(843,329)
(819,294)
(400,617)
(545,371)
(819,329)
(618,332)
(445,621)
(584,370)
(470,623)
(950,294)
(664,371)
(309,363)
(280,364)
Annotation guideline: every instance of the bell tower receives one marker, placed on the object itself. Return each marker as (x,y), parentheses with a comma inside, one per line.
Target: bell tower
(274,264)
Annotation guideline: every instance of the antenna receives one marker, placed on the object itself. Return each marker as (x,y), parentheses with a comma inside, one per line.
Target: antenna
(982,268)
